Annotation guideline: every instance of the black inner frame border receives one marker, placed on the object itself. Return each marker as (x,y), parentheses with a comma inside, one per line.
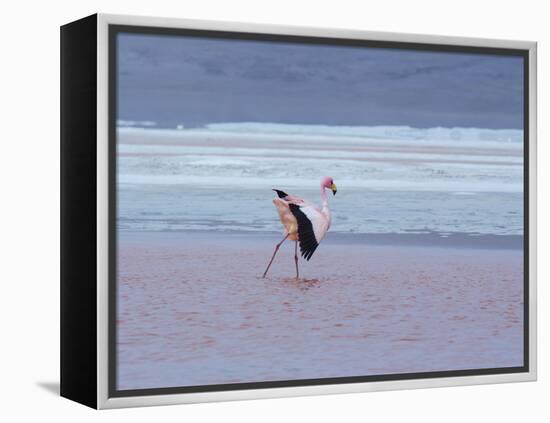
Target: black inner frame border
(114,30)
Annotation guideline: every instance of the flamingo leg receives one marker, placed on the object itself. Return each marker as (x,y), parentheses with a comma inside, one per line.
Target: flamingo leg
(296,259)
(273,256)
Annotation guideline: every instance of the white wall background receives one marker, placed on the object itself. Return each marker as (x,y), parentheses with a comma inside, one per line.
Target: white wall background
(29,170)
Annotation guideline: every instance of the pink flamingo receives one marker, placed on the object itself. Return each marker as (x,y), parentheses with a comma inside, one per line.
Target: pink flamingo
(303,221)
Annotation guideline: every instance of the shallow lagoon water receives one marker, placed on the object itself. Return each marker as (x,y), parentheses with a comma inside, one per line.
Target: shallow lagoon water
(468,181)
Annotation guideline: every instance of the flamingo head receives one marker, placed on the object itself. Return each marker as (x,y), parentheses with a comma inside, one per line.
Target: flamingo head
(328,182)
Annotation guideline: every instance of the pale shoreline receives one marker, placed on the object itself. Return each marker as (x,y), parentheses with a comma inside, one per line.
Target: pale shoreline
(410,239)
(194,310)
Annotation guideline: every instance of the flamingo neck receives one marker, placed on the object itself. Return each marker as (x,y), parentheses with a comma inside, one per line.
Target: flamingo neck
(324,202)
(324,198)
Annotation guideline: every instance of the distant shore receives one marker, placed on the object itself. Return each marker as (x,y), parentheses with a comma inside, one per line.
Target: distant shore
(469,152)
(194,310)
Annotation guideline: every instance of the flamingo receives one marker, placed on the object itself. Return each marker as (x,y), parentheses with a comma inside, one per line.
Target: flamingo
(303,222)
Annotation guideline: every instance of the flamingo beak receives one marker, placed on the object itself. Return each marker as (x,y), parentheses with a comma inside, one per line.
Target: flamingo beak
(333,188)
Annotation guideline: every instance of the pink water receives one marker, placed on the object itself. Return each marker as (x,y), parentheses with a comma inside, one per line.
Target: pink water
(193,310)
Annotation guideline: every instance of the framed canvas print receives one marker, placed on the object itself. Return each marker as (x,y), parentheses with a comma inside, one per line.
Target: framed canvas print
(254,211)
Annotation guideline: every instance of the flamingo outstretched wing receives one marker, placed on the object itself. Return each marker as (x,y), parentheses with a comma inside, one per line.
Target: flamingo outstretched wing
(312,227)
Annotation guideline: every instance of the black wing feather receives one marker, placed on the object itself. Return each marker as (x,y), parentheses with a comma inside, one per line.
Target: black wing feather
(308,242)
(280,193)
